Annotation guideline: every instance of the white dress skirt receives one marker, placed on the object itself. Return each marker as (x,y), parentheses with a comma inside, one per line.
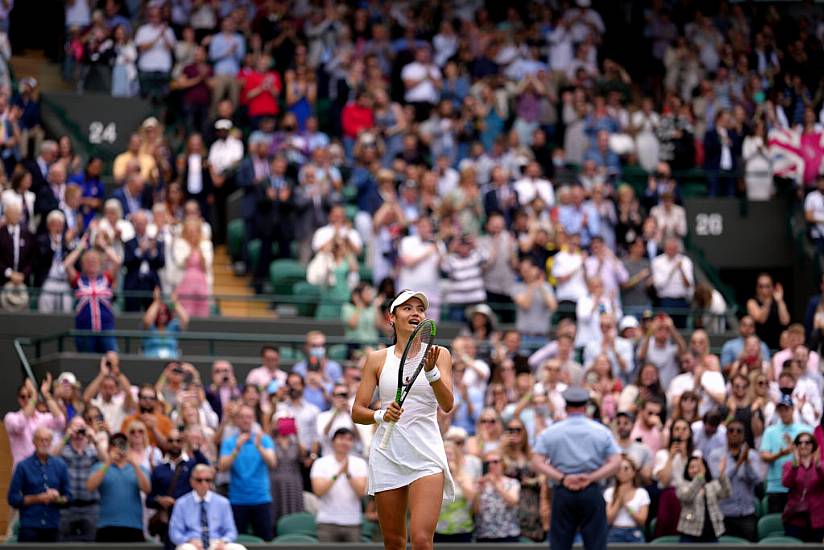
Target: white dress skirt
(415,447)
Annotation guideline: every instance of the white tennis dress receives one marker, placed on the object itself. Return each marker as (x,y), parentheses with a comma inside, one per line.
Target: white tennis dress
(415,447)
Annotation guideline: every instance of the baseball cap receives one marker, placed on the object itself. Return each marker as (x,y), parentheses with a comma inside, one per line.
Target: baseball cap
(223,124)
(407,295)
(628,321)
(575,396)
(785,401)
(68,378)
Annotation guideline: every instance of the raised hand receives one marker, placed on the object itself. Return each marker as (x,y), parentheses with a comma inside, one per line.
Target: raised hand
(432,358)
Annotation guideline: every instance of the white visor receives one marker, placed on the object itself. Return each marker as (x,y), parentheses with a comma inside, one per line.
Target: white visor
(407,295)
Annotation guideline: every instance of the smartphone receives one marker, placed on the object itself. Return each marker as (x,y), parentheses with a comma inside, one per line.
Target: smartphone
(484,468)
(287,426)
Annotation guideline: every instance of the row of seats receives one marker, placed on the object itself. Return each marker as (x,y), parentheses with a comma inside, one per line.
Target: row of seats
(770,530)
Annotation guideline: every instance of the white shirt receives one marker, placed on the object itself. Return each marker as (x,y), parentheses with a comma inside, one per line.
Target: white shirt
(814,203)
(425,274)
(667,278)
(305,415)
(14,233)
(78,14)
(564,264)
(424,91)
(710,381)
(638,501)
(159,56)
(672,223)
(113,413)
(225,153)
(326,233)
(611,272)
(528,188)
(194,183)
(340,505)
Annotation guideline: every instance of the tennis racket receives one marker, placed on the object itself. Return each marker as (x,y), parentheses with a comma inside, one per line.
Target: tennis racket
(414,357)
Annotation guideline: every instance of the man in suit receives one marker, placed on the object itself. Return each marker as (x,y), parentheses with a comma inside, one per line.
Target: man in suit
(252,173)
(39,167)
(273,217)
(134,195)
(143,258)
(50,195)
(49,273)
(722,149)
(17,248)
(502,197)
(202,519)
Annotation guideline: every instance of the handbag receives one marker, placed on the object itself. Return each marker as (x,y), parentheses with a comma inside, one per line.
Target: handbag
(159,522)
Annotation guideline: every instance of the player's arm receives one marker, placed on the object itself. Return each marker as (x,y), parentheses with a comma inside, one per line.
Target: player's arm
(361,413)
(443,386)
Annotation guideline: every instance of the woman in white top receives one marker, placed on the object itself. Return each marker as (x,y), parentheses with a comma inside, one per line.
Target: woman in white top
(627,505)
(668,471)
(412,471)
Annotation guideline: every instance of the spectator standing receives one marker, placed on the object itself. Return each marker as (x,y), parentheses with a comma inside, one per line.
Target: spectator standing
(533,501)
(18,248)
(111,392)
(662,346)
(633,449)
(261,90)
(581,453)
(496,504)
(455,523)
(732,349)
(150,414)
(195,84)
(814,213)
(422,81)
(22,424)
(304,413)
(156,42)
(745,471)
(464,265)
(627,505)
(225,155)
(776,450)
(194,255)
(226,51)
(164,320)
(536,302)
(202,519)
(722,151)
(170,480)
(38,488)
(248,455)
(769,310)
(648,427)
(120,480)
(286,476)
(269,371)
(339,480)
(569,273)
(803,476)
(95,312)
(672,274)
(709,432)
(143,258)
(336,418)
(224,387)
(81,450)
(419,255)
(49,273)
(124,71)
(701,518)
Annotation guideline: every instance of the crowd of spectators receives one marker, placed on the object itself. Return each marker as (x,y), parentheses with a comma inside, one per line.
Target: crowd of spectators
(476,151)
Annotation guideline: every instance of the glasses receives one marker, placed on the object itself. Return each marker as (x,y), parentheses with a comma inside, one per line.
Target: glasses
(487,421)
(514,430)
(137,431)
(174,440)
(805,442)
(493,461)
(762,382)
(147,397)
(23,396)
(202,479)
(344,395)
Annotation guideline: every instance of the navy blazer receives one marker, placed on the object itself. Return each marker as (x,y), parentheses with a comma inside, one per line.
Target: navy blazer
(145,199)
(132,260)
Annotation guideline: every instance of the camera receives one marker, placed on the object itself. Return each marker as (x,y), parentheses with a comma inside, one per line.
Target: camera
(146,410)
(81,432)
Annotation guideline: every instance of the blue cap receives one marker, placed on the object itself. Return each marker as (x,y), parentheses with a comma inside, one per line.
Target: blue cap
(575,396)
(786,401)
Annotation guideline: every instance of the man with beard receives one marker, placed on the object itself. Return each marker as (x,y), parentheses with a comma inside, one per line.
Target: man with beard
(170,481)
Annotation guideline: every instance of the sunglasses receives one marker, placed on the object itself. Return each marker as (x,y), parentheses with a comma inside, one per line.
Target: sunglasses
(202,479)
(147,397)
(23,396)
(805,442)
(137,431)
(175,440)
(762,382)
(514,430)
(344,395)
(487,421)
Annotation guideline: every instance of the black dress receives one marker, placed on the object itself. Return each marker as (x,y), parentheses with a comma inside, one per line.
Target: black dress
(770,330)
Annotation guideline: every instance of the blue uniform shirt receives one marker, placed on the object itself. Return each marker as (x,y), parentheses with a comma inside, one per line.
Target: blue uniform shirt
(250,475)
(577,445)
(32,477)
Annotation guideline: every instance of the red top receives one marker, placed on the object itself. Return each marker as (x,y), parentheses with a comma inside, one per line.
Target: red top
(355,118)
(806,487)
(266,102)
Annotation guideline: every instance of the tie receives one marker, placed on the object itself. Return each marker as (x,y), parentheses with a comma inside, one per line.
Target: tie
(204,525)
(15,239)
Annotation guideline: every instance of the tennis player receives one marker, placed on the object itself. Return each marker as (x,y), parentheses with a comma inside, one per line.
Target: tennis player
(411,472)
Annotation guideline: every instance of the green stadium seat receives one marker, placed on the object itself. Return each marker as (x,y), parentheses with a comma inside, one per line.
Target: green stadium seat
(310,296)
(768,524)
(236,231)
(338,352)
(780,540)
(328,310)
(758,511)
(284,274)
(525,540)
(365,274)
(726,539)
(295,538)
(650,532)
(301,523)
(244,538)
(668,539)
(765,506)
(368,528)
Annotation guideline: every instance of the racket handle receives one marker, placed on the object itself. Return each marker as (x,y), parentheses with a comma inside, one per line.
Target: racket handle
(387,434)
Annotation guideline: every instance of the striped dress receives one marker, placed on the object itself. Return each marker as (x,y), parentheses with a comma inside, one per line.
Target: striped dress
(466,282)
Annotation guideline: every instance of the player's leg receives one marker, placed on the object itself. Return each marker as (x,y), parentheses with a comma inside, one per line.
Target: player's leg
(391,507)
(425,497)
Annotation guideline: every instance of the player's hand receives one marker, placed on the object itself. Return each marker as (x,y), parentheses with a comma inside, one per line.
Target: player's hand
(393,412)
(432,358)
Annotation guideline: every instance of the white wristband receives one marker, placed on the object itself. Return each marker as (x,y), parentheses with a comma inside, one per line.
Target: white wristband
(433,375)
(378,416)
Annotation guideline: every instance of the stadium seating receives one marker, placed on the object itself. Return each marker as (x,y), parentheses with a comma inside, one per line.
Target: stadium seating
(300,523)
(668,539)
(780,540)
(770,524)
(725,539)
(245,538)
(294,538)
(283,274)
